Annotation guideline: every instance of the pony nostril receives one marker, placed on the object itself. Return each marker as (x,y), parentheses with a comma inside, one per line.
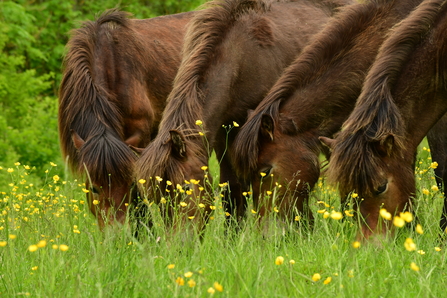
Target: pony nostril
(381,189)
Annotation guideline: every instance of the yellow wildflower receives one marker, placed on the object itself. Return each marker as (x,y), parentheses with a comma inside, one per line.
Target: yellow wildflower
(191,283)
(12,236)
(141,181)
(188,274)
(436,248)
(171,266)
(327,280)
(434,165)
(95,202)
(34,268)
(204,168)
(336,215)
(53,164)
(10,170)
(199,122)
(63,247)
(163,200)
(218,286)
(385,214)
(85,190)
(235,124)
(356,244)
(425,191)
(419,229)
(3,243)
(279,260)
(211,290)
(292,262)
(409,244)
(316,277)
(421,252)
(42,243)
(414,267)
(354,195)
(398,221)
(434,188)
(55,246)
(407,216)
(253,211)
(180,281)
(33,248)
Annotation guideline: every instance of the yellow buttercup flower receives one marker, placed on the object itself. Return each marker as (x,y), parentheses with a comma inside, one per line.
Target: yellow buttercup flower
(385,214)
(316,277)
(407,216)
(12,236)
(180,281)
(409,244)
(398,221)
(188,274)
(435,188)
(85,190)
(204,168)
(141,181)
(199,122)
(436,248)
(63,247)
(42,243)
(327,280)
(33,248)
(10,170)
(354,195)
(414,267)
(191,283)
(218,286)
(419,229)
(292,262)
(171,266)
(279,260)
(95,202)
(425,191)
(3,243)
(336,215)
(211,290)
(356,244)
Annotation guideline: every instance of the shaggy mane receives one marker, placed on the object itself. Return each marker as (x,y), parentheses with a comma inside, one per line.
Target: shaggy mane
(337,35)
(356,160)
(205,32)
(88,108)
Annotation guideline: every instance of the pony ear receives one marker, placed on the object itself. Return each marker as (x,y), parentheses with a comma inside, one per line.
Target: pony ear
(134,140)
(328,142)
(267,126)
(178,144)
(77,140)
(385,145)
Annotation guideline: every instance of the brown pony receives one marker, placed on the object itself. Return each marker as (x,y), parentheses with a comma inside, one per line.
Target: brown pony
(374,154)
(279,145)
(117,75)
(234,51)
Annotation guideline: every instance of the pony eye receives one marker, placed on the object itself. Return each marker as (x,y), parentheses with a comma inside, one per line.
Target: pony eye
(94,190)
(381,189)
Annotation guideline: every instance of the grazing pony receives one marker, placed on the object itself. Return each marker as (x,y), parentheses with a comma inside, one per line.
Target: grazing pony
(233,53)
(279,144)
(404,95)
(117,75)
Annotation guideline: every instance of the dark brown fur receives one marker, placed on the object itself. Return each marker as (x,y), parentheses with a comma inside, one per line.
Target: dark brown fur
(117,75)
(241,24)
(378,142)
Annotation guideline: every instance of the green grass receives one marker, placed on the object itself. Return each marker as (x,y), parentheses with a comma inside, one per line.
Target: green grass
(243,264)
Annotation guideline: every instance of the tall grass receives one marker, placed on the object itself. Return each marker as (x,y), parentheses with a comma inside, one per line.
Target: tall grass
(50,246)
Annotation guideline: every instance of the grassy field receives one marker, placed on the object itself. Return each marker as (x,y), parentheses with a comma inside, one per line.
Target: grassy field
(50,246)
